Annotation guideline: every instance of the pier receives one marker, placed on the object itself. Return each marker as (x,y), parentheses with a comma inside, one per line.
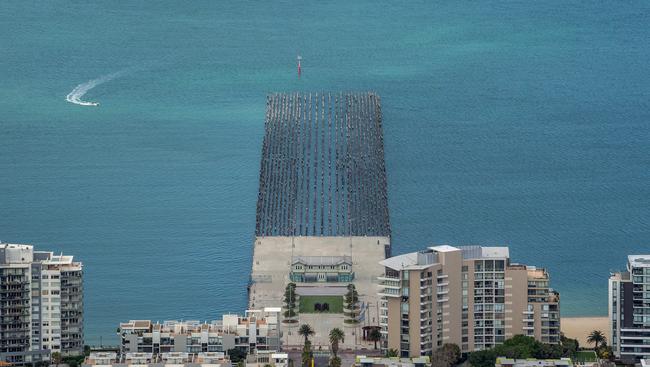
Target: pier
(322,194)
(322,171)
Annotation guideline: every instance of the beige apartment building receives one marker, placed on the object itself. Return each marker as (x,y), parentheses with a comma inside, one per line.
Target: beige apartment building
(472,296)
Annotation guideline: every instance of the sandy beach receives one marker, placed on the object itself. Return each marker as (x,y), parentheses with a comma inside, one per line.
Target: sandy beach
(580,327)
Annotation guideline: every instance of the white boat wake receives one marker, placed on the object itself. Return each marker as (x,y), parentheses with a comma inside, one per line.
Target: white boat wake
(79,91)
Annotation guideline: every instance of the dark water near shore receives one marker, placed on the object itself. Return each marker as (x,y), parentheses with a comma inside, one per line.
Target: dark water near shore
(513,123)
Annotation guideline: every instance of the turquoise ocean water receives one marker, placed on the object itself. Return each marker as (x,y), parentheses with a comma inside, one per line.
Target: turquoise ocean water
(519,123)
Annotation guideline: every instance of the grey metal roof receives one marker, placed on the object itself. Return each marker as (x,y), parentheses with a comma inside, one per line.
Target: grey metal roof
(482,252)
(321,260)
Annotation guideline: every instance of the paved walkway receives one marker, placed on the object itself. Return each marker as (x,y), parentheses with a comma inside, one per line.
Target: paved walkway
(316,290)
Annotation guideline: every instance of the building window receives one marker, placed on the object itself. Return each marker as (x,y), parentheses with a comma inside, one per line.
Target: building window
(478,266)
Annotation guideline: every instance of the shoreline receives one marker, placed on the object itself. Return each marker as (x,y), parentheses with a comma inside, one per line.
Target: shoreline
(579,327)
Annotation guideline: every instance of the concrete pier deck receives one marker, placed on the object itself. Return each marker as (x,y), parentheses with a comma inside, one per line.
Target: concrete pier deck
(322,192)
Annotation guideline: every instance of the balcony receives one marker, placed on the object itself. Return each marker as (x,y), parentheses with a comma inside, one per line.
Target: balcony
(389,292)
(388,278)
(391,285)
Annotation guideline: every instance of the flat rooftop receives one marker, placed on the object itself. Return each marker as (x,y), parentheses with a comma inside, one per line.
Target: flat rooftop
(639,261)
(422,259)
(485,252)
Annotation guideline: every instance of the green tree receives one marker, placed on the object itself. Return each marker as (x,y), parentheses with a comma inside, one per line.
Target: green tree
(336,335)
(446,356)
(483,358)
(236,355)
(351,304)
(374,336)
(549,351)
(392,353)
(306,331)
(597,338)
(569,346)
(56,358)
(519,346)
(605,352)
(290,300)
(73,361)
(335,362)
(307,354)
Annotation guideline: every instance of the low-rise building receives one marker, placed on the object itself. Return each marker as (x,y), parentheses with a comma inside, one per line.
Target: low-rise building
(263,358)
(472,296)
(363,361)
(257,330)
(629,310)
(510,362)
(176,359)
(321,269)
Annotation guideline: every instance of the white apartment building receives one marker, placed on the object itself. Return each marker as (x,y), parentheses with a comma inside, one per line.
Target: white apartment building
(629,310)
(177,359)
(255,332)
(41,304)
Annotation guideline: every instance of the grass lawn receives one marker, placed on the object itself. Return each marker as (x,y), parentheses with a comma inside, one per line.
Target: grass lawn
(585,356)
(307,303)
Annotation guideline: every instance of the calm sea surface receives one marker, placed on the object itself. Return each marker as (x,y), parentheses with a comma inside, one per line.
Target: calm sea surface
(519,123)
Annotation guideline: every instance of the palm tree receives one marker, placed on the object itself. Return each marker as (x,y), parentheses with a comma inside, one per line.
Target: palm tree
(306,331)
(336,335)
(374,336)
(597,338)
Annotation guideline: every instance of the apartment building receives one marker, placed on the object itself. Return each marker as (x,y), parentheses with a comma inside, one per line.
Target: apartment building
(41,304)
(257,331)
(472,296)
(629,310)
(60,303)
(203,359)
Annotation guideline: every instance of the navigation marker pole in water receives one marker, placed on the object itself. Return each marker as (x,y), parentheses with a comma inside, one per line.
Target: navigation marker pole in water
(299,70)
